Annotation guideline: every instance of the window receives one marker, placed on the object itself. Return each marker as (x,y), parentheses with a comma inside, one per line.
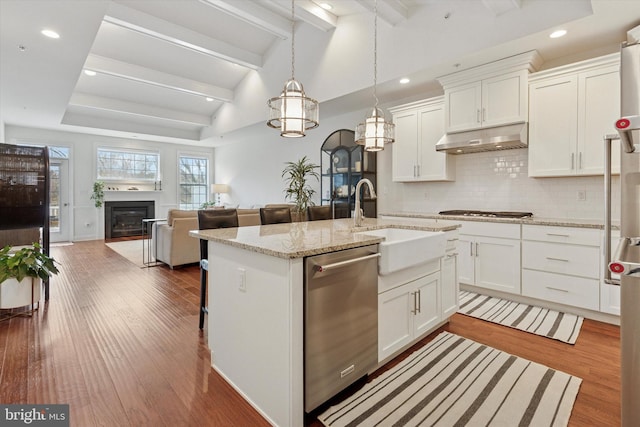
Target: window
(194,176)
(127,166)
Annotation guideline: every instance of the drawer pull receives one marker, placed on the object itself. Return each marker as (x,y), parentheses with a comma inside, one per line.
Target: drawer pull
(557,289)
(453,255)
(453,240)
(557,259)
(558,235)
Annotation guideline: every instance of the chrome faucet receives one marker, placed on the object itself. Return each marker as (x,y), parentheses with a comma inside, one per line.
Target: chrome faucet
(358,215)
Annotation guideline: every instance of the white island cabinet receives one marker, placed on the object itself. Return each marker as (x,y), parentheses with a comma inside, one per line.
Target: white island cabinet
(255,305)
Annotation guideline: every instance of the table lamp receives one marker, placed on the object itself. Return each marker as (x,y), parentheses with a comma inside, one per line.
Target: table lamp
(219,189)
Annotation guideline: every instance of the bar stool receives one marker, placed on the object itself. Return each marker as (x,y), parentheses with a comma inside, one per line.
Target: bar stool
(211,219)
(316,213)
(279,215)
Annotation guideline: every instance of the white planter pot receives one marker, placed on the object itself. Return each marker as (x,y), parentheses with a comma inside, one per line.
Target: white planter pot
(18,294)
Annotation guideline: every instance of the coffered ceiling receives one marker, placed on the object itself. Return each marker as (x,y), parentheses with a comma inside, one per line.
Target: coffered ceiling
(190,70)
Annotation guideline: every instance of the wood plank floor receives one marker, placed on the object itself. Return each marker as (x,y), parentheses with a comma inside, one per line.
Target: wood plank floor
(120,344)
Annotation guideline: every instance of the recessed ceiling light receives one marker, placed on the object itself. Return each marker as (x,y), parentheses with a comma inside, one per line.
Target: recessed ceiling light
(209,99)
(558,33)
(50,33)
(404,81)
(90,73)
(325,6)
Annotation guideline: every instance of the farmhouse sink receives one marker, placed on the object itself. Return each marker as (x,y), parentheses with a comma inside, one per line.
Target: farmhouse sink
(402,248)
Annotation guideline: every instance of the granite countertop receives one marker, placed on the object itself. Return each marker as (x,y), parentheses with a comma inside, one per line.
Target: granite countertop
(301,239)
(558,222)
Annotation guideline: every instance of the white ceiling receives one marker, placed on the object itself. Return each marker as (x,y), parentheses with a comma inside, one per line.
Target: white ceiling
(157,61)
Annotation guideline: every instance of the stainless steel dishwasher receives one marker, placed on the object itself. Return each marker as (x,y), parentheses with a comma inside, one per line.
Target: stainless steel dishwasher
(341,321)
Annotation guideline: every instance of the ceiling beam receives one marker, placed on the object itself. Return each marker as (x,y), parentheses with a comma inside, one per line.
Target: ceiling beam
(134,109)
(254,14)
(309,12)
(390,11)
(499,7)
(151,26)
(124,70)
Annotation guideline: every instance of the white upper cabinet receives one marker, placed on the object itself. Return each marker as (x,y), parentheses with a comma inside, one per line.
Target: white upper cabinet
(419,126)
(490,95)
(492,102)
(571,109)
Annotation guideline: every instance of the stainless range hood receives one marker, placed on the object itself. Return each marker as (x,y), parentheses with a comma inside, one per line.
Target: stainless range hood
(489,139)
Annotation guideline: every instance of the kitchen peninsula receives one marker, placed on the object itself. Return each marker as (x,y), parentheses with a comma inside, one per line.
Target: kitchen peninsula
(256,300)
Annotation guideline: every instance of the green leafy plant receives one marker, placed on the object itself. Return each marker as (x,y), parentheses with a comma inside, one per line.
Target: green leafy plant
(98,193)
(296,175)
(26,262)
(206,205)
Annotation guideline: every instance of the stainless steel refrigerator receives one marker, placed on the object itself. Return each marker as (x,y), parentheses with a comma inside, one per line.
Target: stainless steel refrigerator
(626,259)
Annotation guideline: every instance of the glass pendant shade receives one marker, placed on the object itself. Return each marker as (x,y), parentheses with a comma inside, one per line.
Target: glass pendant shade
(293,112)
(375,131)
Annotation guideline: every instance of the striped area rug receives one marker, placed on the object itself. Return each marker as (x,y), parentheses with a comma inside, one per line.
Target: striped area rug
(453,381)
(560,326)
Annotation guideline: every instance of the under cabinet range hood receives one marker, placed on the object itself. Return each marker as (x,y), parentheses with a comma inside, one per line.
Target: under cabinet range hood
(489,139)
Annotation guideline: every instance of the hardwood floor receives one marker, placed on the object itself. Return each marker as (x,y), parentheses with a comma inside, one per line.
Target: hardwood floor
(120,344)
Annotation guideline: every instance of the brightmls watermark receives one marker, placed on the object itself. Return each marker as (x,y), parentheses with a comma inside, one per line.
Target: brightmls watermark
(34,415)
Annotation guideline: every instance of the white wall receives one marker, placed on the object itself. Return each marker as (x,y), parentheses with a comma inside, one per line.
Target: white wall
(497,180)
(87,220)
(252,160)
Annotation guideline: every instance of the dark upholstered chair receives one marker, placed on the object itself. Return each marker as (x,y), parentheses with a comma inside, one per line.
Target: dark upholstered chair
(209,219)
(315,213)
(275,215)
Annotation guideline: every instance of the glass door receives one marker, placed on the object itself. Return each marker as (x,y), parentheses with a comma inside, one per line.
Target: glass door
(59,213)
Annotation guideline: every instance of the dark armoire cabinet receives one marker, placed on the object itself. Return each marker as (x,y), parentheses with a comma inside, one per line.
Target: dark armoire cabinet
(343,163)
(24,193)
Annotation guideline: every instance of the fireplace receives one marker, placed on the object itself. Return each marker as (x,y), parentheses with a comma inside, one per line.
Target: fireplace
(123,219)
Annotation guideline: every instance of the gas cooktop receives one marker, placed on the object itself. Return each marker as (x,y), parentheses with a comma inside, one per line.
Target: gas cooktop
(490,214)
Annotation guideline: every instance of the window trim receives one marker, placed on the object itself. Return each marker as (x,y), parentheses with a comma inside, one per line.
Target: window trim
(193,155)
(129,151)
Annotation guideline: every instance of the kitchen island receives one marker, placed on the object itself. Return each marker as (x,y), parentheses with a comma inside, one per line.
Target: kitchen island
(256,290)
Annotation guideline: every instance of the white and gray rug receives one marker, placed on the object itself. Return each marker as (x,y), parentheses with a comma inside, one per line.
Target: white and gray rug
(131,250)
(454,381)
(553,324)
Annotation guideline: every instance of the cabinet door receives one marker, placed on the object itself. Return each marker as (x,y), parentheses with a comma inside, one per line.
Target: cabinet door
(432,165)
(466,260)
(395,323)
(427,295)
(497,263)
(553,126)
(404,156)
(598,109)
(449,285)
(462,107)
(504,99)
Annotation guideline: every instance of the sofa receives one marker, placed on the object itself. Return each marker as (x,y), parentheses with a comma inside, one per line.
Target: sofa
(171,243)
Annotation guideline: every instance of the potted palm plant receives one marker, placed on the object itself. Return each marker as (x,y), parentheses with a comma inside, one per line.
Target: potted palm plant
(22,273)
(296,175)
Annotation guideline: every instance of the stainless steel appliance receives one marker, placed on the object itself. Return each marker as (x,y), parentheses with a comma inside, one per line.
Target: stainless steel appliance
(341,321)
(626,260)
(491,214)
(490,139)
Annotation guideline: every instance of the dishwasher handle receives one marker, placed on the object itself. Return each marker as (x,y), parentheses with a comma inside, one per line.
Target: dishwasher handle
(327,267)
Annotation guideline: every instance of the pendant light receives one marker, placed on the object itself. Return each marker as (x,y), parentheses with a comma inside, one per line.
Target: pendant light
(375,131)
(293,112)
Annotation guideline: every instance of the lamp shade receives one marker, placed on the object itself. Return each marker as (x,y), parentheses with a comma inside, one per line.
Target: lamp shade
(219,188)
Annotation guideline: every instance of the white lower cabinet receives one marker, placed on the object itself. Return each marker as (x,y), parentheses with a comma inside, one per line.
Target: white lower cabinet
(490,262)
(610,294)
(562,265)
(407,311)
(449,276)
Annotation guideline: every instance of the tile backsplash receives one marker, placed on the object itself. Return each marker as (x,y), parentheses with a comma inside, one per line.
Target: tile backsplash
(497,180)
